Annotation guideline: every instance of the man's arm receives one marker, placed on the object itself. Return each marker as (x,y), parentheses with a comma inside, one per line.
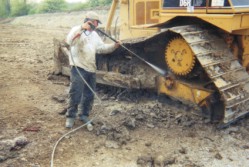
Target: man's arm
(70,37)
(103,48)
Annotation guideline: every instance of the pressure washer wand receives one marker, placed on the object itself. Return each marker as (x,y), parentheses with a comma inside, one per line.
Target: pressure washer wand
(159,70)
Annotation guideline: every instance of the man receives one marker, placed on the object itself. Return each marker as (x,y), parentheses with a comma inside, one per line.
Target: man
(85,43)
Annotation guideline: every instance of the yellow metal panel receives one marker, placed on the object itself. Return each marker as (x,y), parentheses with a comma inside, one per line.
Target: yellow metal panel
(241,10)
(221,11)
(150,5)
(227,22)
(125,22)
(136,32)
(124,1)
(241,32)
(111,15)
(245,21)
(183,10)
(133,23)
(140,13)
(155,14)
(182,91)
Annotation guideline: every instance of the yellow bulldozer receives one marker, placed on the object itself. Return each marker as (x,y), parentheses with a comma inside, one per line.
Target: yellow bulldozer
(203,45)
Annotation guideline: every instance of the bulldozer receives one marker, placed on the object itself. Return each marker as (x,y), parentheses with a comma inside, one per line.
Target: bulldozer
(202,45)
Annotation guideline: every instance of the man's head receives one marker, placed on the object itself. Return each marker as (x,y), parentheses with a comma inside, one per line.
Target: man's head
(92,16)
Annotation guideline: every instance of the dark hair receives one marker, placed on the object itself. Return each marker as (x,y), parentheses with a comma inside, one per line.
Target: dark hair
(86,19)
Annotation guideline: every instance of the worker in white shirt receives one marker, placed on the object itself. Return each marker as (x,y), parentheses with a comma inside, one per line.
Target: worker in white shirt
(84,44)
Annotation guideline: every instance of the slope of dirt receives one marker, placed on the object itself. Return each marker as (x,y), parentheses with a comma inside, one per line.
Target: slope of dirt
(60,20)
(130,129)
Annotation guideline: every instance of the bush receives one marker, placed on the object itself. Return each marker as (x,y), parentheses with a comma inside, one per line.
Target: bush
(19,9)
(106,2)
(51,6)
(77,6)
(33,8)
(5,8)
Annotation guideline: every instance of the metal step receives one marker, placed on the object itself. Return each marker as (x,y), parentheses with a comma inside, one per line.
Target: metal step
(237,103)
(233,85)
(192,33)
(201,42)
(227,72)
(218,62)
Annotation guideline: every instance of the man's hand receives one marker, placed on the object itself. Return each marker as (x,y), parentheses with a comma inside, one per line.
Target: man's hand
(86,26)
(117,44)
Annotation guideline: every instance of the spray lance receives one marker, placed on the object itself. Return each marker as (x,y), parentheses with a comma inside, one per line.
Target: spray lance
(157,69)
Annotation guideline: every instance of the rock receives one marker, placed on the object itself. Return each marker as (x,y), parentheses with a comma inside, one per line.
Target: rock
(188,123)
(52,77)
(105,97)
(134,113)
(121,134)
(245,146)
(35,165)
(2,158)
(24,159)
(159,160)
(169,161)
(148,144)
(140,117)
(114,112)
(63,112)
(6,145)
(111,144)
(218,156)
(39,61)
(15,144)
(59,99)
(21,141)
(128,148)
(68,137)
(183,150)
(150,125)
(232,130)
(178,116)
(130,123)
(153,115)
(145,160)
(104,129)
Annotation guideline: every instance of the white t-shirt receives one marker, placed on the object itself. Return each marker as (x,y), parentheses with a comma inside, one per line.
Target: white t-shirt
(85,47)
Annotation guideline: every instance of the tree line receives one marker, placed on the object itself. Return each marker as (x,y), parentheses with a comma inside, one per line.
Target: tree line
(12,8)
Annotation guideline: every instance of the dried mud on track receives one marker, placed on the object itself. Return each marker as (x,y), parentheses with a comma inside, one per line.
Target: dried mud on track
(133,129)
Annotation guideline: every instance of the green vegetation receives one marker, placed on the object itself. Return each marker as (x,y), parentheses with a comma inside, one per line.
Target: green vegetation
(4,8)
(19,8)
(52,6)
(12,8)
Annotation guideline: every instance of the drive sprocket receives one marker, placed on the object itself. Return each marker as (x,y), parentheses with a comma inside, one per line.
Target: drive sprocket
(179,57)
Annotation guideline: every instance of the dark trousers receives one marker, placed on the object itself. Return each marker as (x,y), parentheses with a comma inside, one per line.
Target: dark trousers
(80,96)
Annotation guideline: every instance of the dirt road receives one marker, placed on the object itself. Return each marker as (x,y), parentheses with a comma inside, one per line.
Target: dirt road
(138,130)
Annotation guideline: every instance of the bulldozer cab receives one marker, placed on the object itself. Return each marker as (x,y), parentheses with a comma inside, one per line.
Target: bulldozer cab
(206,6)
(229,15)
(144,12)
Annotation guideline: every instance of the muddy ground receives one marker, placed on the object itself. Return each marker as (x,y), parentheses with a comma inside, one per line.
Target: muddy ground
(131,128)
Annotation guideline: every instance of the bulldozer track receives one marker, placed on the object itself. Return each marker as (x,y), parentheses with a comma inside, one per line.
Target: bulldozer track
(228,75)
